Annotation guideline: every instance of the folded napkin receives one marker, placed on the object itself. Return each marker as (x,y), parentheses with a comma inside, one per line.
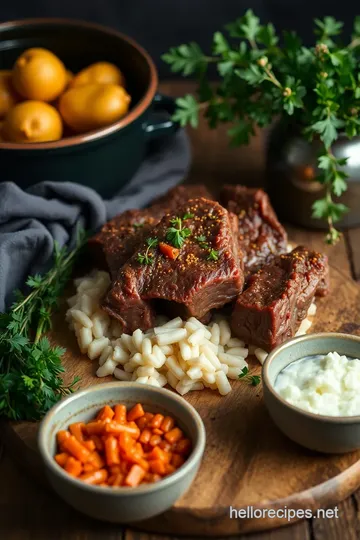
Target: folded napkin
(31,220)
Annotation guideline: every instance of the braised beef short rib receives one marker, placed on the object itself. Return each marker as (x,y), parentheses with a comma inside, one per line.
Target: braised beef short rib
(278,297)
(261,236)
(112,246)
(205,275)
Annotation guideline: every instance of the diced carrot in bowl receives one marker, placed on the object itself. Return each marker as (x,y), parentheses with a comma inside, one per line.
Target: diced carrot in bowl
(122,448)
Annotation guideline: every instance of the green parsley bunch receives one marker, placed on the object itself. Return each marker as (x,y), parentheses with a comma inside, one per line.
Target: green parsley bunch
(30,368)
(318,86)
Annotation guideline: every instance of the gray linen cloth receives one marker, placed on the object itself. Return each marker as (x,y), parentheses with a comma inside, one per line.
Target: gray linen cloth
(31,220)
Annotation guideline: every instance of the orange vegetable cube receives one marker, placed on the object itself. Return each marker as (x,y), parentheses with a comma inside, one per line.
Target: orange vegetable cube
(62,458)
(77,429)
(167,424)
(112,451)
(156,421)
(177,460)
(134,476)
(174,435)
(155,440)
(157,466)
(141,422)
(96,477)
(105,414)
(183,447)
(95,428)
(90,445)
(73,467)
(145,436)
(120,414)
(136,412)
(76,449)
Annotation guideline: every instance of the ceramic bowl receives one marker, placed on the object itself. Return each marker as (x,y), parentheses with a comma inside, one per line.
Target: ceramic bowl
(104,159)
(123,504)
(330,434)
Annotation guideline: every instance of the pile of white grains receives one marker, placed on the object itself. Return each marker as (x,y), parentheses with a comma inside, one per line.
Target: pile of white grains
(187,355)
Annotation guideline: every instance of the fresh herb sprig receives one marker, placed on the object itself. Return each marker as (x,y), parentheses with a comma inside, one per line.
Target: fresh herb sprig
(202,241)
(147,257)
(213,255)
(30,368)
(177,234)
(319,87)
(246,376)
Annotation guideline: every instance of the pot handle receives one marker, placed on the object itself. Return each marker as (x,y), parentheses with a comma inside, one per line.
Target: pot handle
(156,128)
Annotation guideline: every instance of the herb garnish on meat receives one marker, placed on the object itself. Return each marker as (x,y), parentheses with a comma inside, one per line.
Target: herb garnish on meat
(213,255)
(202,241)
(138,225)
(253,380)
(147,257)
(177,234)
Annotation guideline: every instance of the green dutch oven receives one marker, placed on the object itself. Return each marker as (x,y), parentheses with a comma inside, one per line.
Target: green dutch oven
(104,159)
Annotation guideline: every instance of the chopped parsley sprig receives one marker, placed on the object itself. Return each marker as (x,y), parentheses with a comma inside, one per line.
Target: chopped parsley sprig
(316,87)
(246,376)
(177,234)
(147,257)
(213,255)
(30,367)
(202,241)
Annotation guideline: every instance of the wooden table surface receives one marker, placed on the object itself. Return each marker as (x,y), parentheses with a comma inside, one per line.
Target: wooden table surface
(29,512)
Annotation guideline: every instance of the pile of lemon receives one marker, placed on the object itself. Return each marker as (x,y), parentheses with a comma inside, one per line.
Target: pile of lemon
(39,98)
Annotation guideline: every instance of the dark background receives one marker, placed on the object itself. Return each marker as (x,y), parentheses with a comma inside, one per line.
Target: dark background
(159,24)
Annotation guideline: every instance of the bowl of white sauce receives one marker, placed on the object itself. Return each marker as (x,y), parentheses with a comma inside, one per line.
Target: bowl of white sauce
(312,391)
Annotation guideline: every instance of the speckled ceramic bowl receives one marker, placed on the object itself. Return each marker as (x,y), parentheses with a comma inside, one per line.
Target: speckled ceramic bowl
(330,434)
(123,504)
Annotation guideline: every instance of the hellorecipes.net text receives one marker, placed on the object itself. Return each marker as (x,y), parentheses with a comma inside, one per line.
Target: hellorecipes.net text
(285,513)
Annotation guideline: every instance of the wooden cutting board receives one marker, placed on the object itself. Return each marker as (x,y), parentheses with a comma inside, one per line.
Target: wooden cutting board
(247,461)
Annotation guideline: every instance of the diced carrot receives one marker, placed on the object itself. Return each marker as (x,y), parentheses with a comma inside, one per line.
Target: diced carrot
(90,445)
(135,476)
(62,436)
(149,416)
(96,477)
(73,466)
(95,428)
(125,441)
(169,251)
(151,477)
(96,460)
(144,464)
(141,422)
(157,453)
(156,421)
(119,478)
(177,460)
(112,451)
(90,467)
(76,449)
(62,458)
(183,447)
(167,424)
(157,431)
(115,469)
(136,412)
(174,435)
(120,414)
(139,448)
(157,466)
(145,436)
(169,469)
(77,429)
(105,413)
(164,445)
(125,467)
(111,479)
(99,444)
(155,440)
(114,428)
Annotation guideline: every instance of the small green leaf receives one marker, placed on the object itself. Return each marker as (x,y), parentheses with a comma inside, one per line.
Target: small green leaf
(187,111)
(328,26)
(221,46)
(253,75)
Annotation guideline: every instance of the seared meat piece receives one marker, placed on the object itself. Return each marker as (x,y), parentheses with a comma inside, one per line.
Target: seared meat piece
(261,236)
(179,195)
(202,275)
(112,246)
(278,297)
(118,238)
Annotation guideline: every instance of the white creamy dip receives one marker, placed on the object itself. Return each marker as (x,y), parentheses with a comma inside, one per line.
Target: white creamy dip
(327,385)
